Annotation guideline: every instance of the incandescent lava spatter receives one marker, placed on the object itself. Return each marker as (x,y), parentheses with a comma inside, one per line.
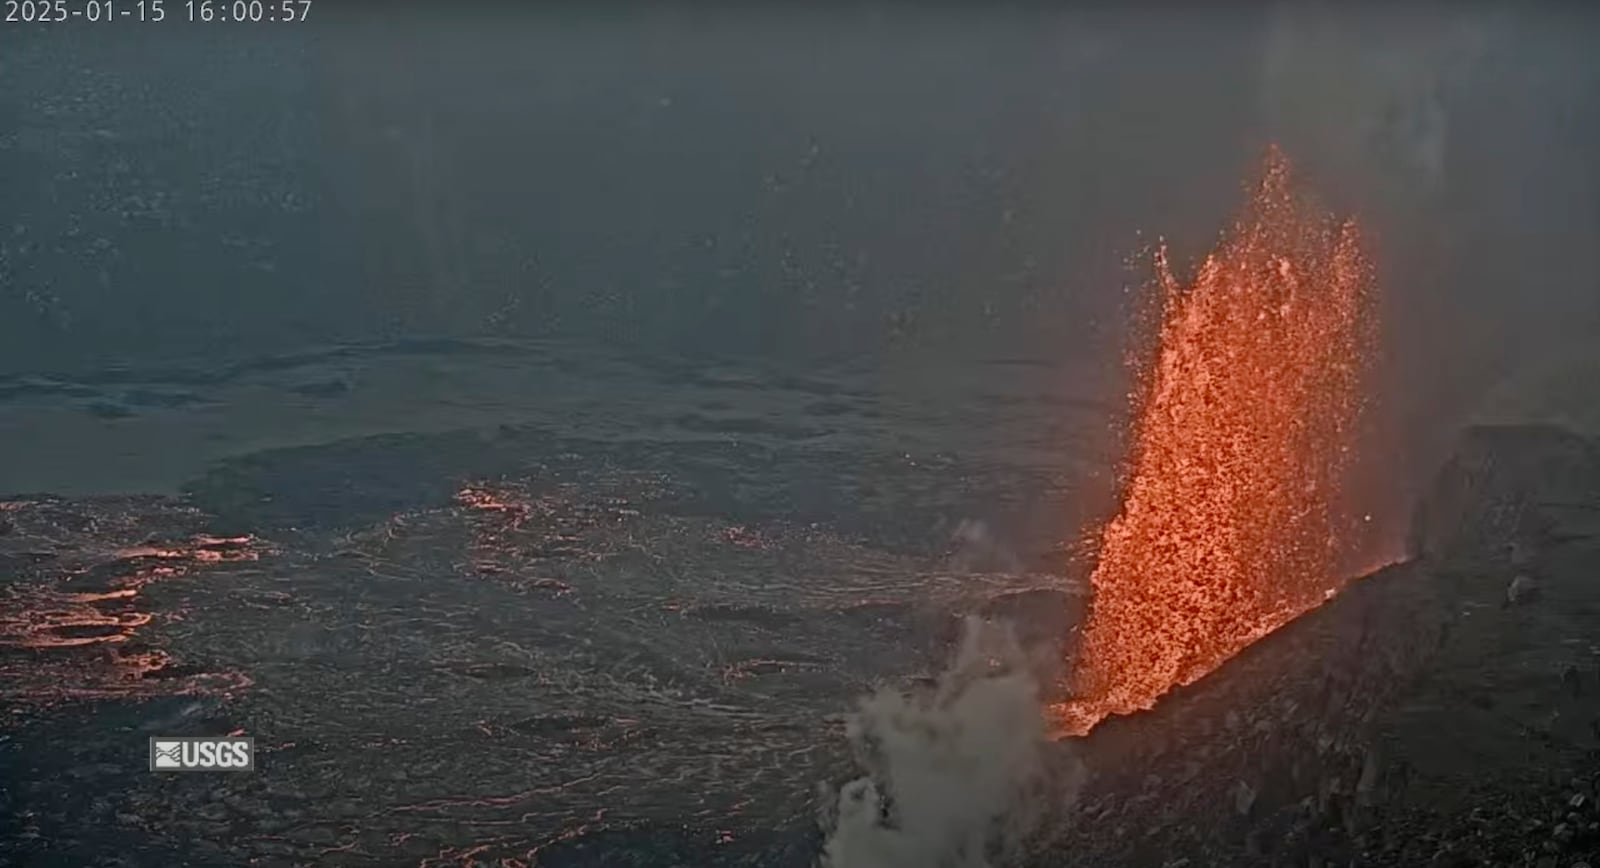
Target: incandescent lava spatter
(1232,521)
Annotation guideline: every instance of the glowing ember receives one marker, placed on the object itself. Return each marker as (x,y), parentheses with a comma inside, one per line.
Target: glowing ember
(72,627)
(1232,521)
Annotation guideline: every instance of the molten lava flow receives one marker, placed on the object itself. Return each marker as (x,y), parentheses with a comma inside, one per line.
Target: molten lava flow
(1232,519)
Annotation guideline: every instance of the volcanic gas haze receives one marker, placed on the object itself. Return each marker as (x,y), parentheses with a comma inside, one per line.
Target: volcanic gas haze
(1232,517)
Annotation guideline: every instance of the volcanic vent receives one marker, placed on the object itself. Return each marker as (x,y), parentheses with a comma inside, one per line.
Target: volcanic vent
(1233,518)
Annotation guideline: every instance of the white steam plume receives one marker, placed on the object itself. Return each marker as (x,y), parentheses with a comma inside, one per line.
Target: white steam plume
(956,776)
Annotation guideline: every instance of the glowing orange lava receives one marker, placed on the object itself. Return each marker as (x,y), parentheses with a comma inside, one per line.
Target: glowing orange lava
(1232,521)
(69,633)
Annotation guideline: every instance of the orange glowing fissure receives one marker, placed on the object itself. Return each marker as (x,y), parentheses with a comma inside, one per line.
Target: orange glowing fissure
(1233,518)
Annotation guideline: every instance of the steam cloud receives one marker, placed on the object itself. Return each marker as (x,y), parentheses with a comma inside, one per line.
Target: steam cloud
(956,776)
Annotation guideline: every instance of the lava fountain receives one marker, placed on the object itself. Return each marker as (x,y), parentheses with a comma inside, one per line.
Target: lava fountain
(1233,520)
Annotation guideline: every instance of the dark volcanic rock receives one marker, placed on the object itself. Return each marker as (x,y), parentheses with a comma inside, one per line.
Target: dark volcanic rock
(1495,489)
(1415,719)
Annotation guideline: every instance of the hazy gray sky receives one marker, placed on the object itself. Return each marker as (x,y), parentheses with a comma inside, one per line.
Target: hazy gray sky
(776,180)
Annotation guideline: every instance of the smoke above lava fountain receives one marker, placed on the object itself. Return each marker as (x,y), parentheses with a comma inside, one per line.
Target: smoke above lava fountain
(1233,518)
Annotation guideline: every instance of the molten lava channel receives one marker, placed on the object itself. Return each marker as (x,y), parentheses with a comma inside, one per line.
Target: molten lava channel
(1233,518)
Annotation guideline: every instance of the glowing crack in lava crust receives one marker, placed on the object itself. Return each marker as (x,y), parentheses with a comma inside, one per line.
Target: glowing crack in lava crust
(1232,521)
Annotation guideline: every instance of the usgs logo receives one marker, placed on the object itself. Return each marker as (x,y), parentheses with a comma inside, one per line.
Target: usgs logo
(190,754)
